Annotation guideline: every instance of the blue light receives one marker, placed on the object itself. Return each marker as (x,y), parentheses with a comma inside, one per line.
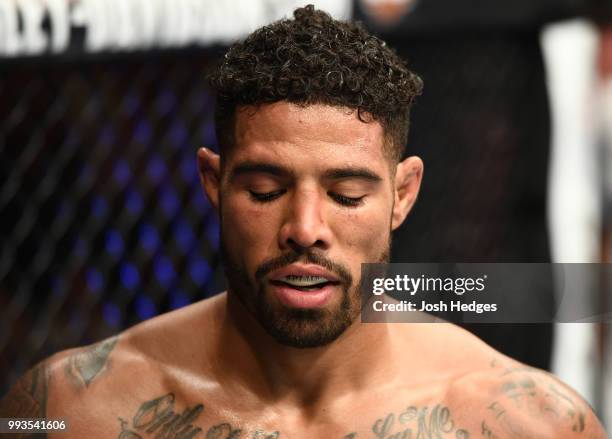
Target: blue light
(178,134)
(208,133)
(169,201)
(156,169)
(114,243)
(98,207)
(145,308)
(133,202)
(149,238)
(178,299)
(142,132)
(122,172)
(184,236)
(129,275)
(189,170)
(200,202)
(200,271)
(111,314)
(164,271)
(94,280)
(213,231)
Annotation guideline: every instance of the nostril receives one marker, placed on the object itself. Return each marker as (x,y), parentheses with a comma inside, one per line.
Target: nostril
(295,245)
(299,247)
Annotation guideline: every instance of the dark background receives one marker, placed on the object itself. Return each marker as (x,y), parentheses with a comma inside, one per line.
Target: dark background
(102,220)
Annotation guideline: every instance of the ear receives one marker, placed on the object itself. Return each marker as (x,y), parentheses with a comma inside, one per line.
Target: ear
(209,168)
(408,176)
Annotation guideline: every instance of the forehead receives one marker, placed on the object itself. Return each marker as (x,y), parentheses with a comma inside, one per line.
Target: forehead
(316,133)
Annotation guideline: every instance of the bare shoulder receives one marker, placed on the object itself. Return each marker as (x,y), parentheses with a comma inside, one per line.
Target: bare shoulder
(498,397)
(66,379)
(506,399)
(88,386)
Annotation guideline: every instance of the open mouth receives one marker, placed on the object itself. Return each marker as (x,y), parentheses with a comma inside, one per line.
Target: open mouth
(303,283)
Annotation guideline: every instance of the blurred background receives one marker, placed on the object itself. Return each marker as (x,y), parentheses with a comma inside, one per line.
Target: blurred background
(103,104)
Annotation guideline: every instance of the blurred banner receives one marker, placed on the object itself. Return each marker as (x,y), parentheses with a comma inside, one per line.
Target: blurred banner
(86,26)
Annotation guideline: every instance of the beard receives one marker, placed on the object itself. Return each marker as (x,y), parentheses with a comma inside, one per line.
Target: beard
(299,328)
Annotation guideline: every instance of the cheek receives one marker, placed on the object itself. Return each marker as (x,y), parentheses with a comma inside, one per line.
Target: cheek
(247,228)
(364,233)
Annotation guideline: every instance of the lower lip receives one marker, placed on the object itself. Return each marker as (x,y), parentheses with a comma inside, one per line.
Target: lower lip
(293,298)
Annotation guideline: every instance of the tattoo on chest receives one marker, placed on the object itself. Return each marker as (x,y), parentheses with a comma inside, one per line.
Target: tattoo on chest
(160,418)
(85,365)
(486,431)
(419,423)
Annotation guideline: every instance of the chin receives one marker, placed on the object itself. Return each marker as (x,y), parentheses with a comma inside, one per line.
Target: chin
(305,327)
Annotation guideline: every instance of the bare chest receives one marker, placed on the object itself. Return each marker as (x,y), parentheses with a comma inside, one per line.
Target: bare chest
(168,415)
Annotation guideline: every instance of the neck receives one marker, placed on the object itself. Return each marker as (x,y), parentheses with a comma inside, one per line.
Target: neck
(360,358)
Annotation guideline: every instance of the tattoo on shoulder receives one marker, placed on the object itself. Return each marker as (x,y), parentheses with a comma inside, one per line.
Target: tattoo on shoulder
(524,391)
(87,363)
(28,397)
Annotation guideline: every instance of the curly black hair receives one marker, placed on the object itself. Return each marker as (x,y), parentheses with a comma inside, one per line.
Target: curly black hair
(314,59)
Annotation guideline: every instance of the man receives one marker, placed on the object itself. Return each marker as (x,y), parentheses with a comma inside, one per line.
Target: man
(312,116)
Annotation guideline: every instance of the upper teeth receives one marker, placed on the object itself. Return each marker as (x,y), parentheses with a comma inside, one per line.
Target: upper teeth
(303,281)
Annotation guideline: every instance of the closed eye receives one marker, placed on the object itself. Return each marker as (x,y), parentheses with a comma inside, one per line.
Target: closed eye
(346,201)
(266,197)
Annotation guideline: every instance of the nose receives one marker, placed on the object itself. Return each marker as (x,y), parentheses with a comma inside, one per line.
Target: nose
(305,225)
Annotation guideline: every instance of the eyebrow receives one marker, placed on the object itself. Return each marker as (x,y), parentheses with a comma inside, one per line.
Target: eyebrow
(278,171)
(352,172)
(259,168)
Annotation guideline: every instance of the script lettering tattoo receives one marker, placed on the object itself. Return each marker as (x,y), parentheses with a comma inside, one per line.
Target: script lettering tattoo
(223,431)
(260,434)
(418,423)
(487,432)
(226,431)
(157,417)
(83,366)
(28,398)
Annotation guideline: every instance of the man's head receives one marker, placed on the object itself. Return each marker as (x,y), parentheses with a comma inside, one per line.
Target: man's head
(315,59)
(312,117)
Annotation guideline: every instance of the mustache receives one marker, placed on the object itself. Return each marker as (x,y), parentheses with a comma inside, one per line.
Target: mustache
(307,257)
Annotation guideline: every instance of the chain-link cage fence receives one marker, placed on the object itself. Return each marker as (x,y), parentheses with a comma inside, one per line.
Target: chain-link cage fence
(103,220)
